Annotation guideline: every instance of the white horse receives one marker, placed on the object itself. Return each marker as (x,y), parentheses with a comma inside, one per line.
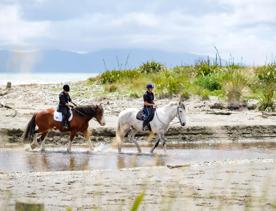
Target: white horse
(129,124)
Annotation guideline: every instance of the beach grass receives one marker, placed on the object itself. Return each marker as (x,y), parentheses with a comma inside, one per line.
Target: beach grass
(231,82)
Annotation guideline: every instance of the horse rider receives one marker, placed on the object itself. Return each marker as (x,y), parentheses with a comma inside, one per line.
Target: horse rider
(65,105)
(149,106)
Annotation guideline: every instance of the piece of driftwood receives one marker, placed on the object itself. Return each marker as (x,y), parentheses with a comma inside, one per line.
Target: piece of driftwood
(178,166)
(219,112)
(268,113)
(5,106)
(8,107)
(3,94)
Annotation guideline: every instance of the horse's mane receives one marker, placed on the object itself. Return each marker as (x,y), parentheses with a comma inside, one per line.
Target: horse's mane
(86,110)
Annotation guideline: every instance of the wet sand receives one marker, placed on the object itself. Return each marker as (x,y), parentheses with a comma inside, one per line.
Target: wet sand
(234,185)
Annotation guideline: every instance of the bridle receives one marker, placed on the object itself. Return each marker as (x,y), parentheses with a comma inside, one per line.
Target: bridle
(177,114)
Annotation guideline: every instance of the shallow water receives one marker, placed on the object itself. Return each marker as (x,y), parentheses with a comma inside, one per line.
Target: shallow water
(105,157)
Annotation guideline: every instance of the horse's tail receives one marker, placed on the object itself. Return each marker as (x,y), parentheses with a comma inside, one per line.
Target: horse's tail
(30,130)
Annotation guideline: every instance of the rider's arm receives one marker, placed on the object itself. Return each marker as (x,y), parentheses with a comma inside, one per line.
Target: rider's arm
(71,102)
(148,104)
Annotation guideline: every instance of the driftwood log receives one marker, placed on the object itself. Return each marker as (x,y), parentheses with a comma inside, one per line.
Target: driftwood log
(8,107)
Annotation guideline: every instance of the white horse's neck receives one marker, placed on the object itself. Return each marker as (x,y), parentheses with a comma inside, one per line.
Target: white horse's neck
(169,112)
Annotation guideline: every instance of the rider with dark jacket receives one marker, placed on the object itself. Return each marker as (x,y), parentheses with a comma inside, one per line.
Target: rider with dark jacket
(64,105)
(149,106)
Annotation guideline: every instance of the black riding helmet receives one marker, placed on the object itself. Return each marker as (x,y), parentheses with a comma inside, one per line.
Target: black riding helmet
(66,88)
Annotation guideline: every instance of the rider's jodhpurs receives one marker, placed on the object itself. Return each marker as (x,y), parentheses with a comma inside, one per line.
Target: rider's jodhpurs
(149,114)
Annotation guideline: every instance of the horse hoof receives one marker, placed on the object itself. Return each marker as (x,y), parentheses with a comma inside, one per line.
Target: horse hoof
(33,146)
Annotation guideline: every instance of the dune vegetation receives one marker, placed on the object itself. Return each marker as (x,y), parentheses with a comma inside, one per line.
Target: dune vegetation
(234,83)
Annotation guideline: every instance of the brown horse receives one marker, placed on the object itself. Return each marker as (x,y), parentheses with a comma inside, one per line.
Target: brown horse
(44,120)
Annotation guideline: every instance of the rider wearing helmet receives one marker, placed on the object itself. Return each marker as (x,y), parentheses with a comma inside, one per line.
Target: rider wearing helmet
(149,106)
(64,105)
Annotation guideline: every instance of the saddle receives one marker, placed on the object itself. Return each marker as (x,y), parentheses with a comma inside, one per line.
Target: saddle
(58,116)
(140,115)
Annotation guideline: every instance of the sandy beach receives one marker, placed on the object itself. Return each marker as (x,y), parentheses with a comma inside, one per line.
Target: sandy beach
(227,184)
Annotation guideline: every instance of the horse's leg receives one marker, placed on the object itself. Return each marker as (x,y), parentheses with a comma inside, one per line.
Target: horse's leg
(87,136)
(132,139)
(158,138)
(164,140)
(34,143)
(42,138)
(72,136)
(120,135)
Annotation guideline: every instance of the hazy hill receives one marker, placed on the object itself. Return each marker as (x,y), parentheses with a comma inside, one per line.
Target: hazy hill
(67,61)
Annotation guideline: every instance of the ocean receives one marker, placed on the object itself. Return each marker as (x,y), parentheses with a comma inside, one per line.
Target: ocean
(42,78)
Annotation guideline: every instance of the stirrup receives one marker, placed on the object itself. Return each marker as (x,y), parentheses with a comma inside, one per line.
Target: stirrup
(146,128)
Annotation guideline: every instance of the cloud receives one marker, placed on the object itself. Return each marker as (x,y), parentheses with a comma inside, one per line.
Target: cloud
(16,31)
(246,29)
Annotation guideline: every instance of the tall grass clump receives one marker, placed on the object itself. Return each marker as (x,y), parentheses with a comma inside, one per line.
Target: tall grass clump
(235,81)
(151,67)
(206,67)
(267,83)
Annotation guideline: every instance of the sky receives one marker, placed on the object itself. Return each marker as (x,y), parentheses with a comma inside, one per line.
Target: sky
(242,29)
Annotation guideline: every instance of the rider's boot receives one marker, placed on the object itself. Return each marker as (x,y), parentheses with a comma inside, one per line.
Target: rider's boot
(64,124)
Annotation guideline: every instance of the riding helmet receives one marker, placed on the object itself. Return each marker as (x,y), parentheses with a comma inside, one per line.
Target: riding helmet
(150,86)
(66,88)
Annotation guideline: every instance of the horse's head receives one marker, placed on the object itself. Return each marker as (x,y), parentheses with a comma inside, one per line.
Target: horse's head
(100,115)
(181,113)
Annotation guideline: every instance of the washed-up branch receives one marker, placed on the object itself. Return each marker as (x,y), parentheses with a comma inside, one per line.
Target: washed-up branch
(8,107)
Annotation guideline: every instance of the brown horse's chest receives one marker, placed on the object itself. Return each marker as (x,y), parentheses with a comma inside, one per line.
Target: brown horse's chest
(79,124)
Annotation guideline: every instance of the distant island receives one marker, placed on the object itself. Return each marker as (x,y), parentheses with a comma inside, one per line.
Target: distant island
(51,61)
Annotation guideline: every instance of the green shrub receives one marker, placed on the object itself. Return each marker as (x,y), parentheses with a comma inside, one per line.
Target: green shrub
(185,95)
(169,83)
(188,71)
(205,67)
(111,88)
(267,83)
(133,94)
(210,82)
(117,75)
(151,67)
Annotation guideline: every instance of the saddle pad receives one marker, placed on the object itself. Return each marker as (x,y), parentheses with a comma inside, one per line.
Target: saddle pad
(140,115)
(58,116)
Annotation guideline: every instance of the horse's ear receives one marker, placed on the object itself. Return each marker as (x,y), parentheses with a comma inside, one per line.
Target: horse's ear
(181,99)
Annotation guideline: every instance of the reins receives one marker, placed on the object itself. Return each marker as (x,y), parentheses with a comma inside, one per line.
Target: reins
(159,118)
(173,123)
(78,111)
